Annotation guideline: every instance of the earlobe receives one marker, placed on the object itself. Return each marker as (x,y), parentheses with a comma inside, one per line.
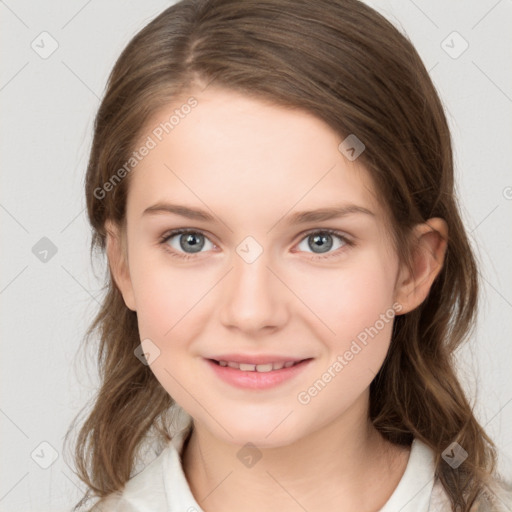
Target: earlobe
(430,243)
(118,263)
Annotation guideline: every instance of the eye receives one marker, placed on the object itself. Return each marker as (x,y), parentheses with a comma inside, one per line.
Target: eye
(184,240)
(184,243)
(322,241)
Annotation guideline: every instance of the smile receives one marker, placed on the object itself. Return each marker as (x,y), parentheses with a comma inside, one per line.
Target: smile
(257,376)
(247,367)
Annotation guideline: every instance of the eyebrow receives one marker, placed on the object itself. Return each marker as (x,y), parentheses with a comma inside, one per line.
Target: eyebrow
(303,217)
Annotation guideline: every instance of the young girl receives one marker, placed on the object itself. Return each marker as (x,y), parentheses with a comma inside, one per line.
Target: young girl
(272,182)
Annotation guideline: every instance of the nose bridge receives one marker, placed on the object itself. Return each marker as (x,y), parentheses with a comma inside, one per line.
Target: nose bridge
(253,299)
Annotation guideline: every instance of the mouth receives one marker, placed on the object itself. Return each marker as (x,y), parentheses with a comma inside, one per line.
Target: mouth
(262,376)
(261,368)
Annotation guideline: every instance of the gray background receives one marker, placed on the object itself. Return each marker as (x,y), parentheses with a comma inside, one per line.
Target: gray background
(48,106)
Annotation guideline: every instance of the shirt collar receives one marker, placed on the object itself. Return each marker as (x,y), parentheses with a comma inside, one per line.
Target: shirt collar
(414,490)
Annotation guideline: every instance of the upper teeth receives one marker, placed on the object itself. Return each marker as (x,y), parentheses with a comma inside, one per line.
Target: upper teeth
(246,367)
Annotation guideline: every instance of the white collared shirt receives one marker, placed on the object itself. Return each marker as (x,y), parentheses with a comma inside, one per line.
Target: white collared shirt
(162,486)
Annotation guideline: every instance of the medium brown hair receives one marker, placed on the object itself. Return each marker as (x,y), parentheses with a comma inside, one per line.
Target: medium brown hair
(346,64)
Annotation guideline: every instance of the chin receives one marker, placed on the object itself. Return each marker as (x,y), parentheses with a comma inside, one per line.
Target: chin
(266,431)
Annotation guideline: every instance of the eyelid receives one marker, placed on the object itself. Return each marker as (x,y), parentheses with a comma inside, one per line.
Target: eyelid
(332,231)
(183,231)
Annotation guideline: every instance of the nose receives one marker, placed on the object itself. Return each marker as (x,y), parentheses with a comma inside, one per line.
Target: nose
(253,298)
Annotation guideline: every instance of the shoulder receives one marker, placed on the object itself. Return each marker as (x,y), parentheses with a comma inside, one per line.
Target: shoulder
(439,500)
(113,503)
(497,497)
(145,489)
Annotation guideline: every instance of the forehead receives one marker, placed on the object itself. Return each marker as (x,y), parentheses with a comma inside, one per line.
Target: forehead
(246,156)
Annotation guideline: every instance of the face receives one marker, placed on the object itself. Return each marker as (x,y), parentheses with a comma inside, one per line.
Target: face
(256,279)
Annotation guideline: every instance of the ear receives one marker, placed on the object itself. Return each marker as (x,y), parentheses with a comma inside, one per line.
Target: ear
(429,247)
(117,254)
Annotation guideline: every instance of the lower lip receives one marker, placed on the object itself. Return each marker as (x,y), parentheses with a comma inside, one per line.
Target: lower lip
(255,379)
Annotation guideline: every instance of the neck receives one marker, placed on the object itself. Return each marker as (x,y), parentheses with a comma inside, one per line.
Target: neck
(346,465)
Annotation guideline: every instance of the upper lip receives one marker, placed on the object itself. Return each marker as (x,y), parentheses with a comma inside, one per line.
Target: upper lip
(256,358)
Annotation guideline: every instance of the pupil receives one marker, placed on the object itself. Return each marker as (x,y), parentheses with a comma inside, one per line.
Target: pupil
(325,239)
(191,239)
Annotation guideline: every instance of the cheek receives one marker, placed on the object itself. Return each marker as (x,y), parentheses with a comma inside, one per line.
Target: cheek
(165,293)
(351,298)
(359,311)
(356,304)
(171,314)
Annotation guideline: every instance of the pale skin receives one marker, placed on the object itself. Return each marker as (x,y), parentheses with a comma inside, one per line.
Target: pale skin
(252,165)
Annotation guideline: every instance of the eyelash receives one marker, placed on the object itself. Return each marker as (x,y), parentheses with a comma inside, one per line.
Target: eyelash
(184,256)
